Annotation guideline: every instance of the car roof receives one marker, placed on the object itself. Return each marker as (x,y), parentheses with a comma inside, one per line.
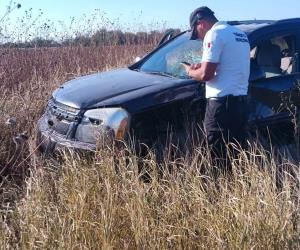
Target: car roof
(248,26)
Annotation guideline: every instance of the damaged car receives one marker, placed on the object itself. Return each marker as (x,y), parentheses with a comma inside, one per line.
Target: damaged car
(154,96)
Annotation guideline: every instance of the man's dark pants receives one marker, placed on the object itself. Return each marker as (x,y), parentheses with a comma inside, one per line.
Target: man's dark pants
(225,123)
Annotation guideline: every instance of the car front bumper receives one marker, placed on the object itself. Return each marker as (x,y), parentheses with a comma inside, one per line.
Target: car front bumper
(50,141)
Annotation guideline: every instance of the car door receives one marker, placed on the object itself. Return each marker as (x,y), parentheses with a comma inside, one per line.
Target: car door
(274,82)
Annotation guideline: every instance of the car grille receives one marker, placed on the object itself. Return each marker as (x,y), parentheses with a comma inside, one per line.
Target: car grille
(61,127)
(61,117)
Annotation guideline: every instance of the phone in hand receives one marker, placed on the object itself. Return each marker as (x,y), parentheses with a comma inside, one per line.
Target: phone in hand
(186,63)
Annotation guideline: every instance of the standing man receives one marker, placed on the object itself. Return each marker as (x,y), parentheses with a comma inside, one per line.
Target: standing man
(225,67)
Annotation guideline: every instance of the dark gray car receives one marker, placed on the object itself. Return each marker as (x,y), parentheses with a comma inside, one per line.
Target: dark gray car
(154,96)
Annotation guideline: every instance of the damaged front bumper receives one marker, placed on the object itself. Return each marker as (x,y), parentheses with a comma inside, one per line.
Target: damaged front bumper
(49,141)
(64,127)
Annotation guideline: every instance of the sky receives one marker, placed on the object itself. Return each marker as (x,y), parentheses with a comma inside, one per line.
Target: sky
(174,13)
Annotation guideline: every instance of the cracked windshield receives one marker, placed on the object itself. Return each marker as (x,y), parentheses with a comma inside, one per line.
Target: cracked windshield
(167,59)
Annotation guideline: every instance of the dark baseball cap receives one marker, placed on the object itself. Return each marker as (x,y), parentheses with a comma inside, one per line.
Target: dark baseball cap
(196,16)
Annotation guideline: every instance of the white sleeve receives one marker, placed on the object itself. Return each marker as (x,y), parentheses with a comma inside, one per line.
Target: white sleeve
(212,47)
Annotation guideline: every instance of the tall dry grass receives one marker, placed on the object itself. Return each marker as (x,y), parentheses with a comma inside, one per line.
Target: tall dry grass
(19,67)
(28,77)
(81,203)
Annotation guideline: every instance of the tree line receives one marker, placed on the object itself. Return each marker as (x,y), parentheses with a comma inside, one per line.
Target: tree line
(102,37)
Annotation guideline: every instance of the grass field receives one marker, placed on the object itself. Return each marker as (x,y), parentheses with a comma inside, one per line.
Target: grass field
(80,203)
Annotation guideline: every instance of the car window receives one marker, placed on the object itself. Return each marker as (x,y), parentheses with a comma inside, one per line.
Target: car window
(276,56)
(168,58)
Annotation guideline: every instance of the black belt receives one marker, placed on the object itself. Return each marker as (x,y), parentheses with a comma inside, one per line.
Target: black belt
(229,97)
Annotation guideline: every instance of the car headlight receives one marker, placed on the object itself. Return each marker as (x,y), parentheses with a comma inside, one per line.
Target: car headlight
(103,123)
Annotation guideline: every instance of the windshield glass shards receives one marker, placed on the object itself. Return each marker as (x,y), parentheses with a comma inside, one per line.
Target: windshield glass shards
(167,60)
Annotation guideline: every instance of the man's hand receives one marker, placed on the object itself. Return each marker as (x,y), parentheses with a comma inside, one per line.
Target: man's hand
(186,67)
(202,71)
(196,66)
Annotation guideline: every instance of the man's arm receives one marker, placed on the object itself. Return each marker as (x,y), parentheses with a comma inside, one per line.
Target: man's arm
(204,72)
(213,45)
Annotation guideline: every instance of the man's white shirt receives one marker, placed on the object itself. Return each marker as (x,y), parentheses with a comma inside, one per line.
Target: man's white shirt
(229,47)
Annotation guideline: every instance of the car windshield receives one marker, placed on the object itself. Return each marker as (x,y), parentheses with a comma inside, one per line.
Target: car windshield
(167,59)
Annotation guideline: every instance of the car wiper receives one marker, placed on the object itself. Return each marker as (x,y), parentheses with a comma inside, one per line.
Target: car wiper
(160,73)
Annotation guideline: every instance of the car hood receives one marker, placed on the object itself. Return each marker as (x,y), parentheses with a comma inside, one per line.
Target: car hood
(88,91)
